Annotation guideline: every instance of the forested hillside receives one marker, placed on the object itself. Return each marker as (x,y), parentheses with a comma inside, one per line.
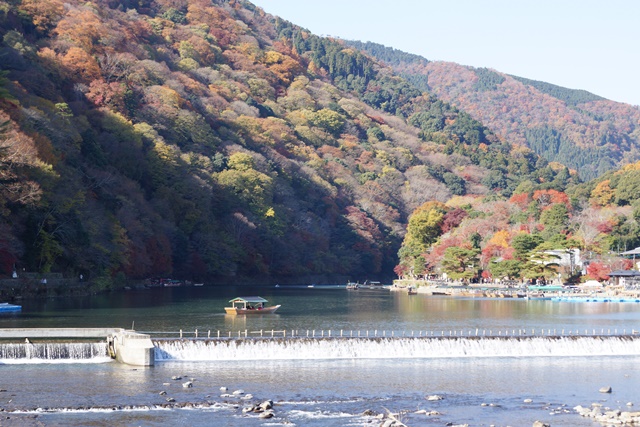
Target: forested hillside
(208,140)
(579,129)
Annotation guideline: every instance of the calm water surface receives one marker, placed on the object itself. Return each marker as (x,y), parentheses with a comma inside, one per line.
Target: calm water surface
(333,392)
(319,308)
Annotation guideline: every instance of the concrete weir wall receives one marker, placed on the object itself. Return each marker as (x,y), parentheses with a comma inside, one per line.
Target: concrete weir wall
(55,333)
(126,346)
(132,348)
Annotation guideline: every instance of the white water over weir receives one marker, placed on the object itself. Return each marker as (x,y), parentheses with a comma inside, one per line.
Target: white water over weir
(53,352)
(134,348)
(126,346)
(205,349)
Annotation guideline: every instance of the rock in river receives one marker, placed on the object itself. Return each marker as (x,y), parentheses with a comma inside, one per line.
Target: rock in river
(434,397)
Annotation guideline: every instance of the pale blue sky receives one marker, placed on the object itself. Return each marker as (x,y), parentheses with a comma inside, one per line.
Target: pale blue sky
(579,44)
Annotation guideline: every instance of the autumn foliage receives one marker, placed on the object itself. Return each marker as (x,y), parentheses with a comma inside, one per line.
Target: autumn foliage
(598,271)
(210,140)
(581,130)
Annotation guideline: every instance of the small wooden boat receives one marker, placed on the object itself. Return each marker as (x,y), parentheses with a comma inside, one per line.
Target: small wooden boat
(250,305)
(412,291)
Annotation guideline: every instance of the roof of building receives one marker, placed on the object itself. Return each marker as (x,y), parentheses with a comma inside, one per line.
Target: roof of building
(635,251)
(624,273)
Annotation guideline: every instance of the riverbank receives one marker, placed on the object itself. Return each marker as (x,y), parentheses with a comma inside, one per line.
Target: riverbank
(483,290)
(28,285)
(37,285)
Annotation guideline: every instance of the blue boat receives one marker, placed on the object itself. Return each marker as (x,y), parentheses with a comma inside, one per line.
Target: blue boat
(5,306)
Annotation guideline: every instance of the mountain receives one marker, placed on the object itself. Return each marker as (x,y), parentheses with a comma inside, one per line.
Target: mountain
(574,127)
(212,141)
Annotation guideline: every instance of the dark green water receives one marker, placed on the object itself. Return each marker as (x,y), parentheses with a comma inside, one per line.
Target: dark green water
(319,308)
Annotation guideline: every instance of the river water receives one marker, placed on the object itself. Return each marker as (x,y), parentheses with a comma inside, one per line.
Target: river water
(410,348)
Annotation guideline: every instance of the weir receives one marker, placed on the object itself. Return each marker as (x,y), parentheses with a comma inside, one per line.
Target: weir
(230,349)
(37,345)
(83,352)
(125,346)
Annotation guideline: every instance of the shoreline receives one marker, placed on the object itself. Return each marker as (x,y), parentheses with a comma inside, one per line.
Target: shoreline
(34,286)
(605,294)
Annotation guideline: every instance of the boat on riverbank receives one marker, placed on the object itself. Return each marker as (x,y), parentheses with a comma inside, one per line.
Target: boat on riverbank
(366,285)
(587,298)
(250,305)
(5,306)
(372,285)
(353,286)
(171,283)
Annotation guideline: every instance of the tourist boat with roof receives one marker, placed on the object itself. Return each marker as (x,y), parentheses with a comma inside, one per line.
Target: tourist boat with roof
(250,305)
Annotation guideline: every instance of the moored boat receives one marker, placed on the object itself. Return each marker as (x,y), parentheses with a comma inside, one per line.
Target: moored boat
(170,283)
(5,306)
(250,305)
(371,285)
(353,286)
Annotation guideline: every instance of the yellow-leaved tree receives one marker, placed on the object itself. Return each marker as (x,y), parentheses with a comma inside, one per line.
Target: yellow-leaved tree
(423,230)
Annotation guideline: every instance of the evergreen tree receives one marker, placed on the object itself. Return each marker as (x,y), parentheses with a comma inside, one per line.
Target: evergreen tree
(460,263)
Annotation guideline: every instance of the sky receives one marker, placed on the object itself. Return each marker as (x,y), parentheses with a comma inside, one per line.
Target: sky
(578,44)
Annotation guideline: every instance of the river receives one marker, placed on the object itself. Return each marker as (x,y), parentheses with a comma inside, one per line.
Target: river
(329,382)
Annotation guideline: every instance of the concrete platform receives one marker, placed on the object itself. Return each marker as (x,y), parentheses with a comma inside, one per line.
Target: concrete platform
(17,333)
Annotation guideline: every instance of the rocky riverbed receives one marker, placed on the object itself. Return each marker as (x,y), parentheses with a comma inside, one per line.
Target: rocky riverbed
(610,417)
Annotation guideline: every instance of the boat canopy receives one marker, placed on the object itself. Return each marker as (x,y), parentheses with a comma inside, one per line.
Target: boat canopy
(250,300)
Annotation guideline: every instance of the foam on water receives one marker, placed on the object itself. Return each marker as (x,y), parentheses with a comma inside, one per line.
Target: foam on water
(319,402)
(318,414)
(394,348)
(128,408)
(56,361)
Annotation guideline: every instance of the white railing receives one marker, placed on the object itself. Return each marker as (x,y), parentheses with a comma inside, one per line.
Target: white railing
(457,333)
